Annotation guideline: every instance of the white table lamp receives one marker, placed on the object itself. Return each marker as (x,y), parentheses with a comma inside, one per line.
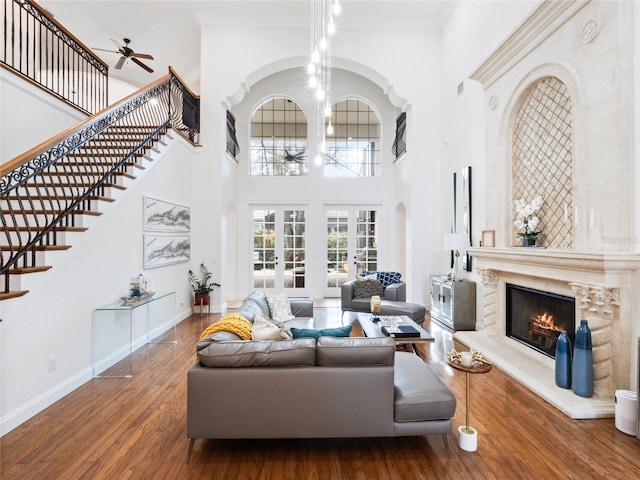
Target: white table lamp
(456,242)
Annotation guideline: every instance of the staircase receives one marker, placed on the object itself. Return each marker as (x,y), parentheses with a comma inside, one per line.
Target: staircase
(47,193)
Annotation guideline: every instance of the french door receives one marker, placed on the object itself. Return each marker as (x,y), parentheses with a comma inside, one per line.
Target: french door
(279,251)
(351,244)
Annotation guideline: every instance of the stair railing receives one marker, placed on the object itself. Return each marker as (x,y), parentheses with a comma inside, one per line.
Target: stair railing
(41,190)
(39,49)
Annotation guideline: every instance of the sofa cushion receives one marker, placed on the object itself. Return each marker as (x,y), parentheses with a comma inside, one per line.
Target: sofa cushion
(254,304)
(355,351)
(367,288)
(279,307)
(419,394)
(324,332)
(270,353)
(385,278)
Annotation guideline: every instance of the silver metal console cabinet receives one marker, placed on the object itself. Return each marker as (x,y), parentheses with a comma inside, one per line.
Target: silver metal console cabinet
(453,303)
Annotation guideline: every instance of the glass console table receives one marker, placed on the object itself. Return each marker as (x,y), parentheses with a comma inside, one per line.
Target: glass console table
(119,328)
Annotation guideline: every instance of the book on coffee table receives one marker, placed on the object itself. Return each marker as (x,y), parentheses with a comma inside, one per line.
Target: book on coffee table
(400,331)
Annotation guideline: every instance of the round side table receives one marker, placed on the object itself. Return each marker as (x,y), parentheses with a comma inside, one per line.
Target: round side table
(467,436)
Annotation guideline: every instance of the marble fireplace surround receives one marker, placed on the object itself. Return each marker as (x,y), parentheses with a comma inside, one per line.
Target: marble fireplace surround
(601,283)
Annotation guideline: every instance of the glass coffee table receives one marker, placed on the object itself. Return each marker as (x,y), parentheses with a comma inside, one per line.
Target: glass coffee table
(373,328)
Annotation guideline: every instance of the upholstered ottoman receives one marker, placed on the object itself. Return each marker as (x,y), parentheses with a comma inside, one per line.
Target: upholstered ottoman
(390,307)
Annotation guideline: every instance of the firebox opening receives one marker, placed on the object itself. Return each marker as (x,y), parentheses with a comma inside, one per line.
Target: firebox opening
(536,318)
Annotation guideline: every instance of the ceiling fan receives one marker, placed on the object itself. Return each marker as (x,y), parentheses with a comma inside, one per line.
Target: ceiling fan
(294,157)
(127,53)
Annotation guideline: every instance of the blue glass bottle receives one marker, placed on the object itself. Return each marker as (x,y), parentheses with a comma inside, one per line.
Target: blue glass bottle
(582,372)
(563,361)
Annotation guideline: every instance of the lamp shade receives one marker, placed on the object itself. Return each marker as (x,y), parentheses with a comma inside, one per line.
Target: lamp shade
(456,241)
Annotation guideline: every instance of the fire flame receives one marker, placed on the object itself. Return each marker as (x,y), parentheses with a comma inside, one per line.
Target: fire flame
(545,321)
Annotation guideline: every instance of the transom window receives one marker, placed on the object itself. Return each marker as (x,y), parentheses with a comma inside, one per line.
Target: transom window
(279,139)
(353,148)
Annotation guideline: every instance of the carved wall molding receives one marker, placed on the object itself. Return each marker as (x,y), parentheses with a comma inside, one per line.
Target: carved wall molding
(599,306)
(488,276)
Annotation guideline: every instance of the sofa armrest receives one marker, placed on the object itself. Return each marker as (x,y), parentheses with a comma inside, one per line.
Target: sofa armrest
(346,293)
(301,306)
(396,292)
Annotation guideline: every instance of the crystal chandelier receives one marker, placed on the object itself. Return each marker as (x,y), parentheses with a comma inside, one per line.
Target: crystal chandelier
(319,66)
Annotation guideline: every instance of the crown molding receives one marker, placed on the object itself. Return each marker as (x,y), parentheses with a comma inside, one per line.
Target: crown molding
(541,23)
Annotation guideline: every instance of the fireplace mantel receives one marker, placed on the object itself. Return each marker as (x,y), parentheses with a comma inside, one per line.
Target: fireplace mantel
(602,283)
(540,260)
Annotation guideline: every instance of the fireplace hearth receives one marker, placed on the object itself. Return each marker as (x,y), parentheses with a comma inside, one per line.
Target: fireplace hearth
(536,318)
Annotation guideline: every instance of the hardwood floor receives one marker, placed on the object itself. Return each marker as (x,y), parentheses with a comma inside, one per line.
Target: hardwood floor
(136,429)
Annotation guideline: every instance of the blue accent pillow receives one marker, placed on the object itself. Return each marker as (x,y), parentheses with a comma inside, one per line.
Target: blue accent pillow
(385,278)
(325,332)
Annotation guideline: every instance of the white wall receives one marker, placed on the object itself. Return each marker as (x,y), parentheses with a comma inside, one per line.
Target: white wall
(473,31)
(29,116)
(388,58)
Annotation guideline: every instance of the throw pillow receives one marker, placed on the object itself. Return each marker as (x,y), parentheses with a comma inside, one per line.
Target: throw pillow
(280,308)
(362,276)
(324,332)
(386,278)
(263,329)
(367,288)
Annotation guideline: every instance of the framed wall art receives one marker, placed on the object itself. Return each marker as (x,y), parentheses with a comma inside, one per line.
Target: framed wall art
(161,216)
(161,250)
(488,238)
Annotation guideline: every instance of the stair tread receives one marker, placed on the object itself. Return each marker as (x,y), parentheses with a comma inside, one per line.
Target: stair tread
(57,212)
(24,270)
(13,294)
(38,229)
(107,155)
(39,248)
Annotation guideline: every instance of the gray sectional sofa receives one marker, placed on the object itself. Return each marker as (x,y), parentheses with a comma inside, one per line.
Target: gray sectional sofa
(313,388)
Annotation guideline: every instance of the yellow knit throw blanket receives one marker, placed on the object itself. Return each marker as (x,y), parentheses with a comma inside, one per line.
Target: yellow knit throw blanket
(232,322)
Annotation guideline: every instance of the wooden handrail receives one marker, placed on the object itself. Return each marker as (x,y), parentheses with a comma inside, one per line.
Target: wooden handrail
(175,74)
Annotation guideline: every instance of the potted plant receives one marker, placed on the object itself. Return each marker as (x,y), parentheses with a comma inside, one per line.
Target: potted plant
(202,285)
(527,219)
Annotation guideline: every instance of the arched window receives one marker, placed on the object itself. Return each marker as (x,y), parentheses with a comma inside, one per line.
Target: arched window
(542,158)
(353,147)
(278,139)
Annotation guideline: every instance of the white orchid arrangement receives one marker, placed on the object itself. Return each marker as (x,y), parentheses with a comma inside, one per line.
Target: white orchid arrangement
(527,218)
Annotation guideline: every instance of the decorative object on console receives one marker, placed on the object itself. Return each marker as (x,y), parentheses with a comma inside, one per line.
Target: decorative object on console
(137,286)
(456,242)
(582,370)
(528,220)
(563,360)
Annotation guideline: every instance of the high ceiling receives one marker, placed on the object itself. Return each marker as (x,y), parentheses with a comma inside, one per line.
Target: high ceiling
(169,29)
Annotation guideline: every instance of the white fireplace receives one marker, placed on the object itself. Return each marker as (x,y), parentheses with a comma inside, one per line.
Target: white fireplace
(550,132)
(602,287)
